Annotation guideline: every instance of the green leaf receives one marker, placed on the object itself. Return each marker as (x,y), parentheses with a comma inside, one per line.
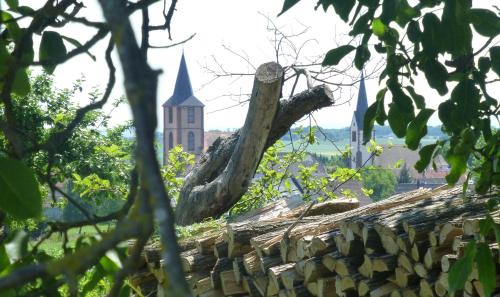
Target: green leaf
(413,31)
(334,56)
(13,29)
(13,4)
(4,258)
(485,22)
(486,268)
(484,64)
(458,163)
(405,13)
(460,270)
(426,155)
(77,43)
(362,56)
(361,25)
(466,96)
(418,99)
(51,48)
(20,196)
(457,39)
(432,34)
(378,27)
(495,59)
(21,85)
(381,115)
(417,128)
(369,121)
(342,7)
(388,11)
(287,5)
(436,76)
(397,120)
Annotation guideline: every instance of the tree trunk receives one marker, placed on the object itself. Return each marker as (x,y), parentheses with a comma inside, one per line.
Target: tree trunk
(225,171)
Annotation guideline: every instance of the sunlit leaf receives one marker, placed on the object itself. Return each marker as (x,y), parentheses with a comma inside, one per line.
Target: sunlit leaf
(20,196)
(460,270)
(486,268)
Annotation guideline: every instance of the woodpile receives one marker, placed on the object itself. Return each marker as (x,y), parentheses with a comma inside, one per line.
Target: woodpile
(402,246)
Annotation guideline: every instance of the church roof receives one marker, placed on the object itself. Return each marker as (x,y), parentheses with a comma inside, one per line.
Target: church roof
(183,92)
(362,104)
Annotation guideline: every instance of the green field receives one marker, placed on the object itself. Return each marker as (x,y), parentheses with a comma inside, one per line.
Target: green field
(326,148)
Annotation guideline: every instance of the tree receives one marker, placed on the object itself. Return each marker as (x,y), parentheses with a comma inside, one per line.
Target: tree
(434,38)
(38,151)
(404,175)
(381,181)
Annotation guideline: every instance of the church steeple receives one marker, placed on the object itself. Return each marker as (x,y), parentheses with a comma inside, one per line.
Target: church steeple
(183,89)
(362,104)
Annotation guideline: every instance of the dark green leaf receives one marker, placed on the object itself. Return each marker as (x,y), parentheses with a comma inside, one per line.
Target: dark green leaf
(418,128)
(13,29)
(381,115)
(460,270)
(426,155)
(413,31)
(334,56)
(485,21)
(52,48)
(436,76)
(466,96)
(418,99)
(405,13)
(369,121)
(76,43)
(432,34)
(486,268)
(397,120)
(486,225)
(21,86)
(495,59)
(20,195)
(378,27)
(4,58)
(388,11)
(343,8)
(362,56)
(457,39)
(361,25)
(4,258)
(484,64)
(446,112)
(13,4)
(25,10)
(287,5)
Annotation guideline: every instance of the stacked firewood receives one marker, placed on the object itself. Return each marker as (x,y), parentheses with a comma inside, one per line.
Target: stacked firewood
(402,246)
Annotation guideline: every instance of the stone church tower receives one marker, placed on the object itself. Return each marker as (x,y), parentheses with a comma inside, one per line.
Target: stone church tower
(183,117)
(359,153)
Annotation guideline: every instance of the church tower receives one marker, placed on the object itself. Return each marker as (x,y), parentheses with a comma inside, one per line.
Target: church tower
(359,154)
(183,117)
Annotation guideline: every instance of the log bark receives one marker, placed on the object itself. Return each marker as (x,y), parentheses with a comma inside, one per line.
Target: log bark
(224,172)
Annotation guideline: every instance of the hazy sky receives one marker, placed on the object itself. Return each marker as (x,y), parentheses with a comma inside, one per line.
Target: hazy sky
(240,26)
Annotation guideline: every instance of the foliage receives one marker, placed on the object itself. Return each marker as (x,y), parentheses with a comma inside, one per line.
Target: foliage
(381,180)
(173,172)
(278,173)
(433,38)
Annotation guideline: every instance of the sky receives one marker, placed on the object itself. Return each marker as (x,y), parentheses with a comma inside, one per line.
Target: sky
(232,35)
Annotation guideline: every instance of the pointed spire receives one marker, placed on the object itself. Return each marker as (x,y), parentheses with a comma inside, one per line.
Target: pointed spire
(362,104)
(183,89)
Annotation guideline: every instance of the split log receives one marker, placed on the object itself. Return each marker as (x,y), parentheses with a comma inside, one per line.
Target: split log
(326,287)
(268,262)
(403,278)
(406,262)
(251,262)
(194,261)
(220,248)
(347,266)
(312,288)
(205,245)
(239,270)
(314,269)
(202,286)
(285,276)
(248,286)
(350,248)
(330,260)
(222,264)
(229,284)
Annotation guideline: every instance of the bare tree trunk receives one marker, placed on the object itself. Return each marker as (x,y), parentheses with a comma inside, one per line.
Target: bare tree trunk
(218,182)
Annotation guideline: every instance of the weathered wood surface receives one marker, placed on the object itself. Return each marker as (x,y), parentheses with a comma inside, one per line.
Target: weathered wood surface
(380,251)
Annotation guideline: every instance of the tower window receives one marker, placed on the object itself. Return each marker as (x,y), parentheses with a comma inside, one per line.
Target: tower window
(190,141)
(190,115)
(353,137)
(170,115)
(170,140)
